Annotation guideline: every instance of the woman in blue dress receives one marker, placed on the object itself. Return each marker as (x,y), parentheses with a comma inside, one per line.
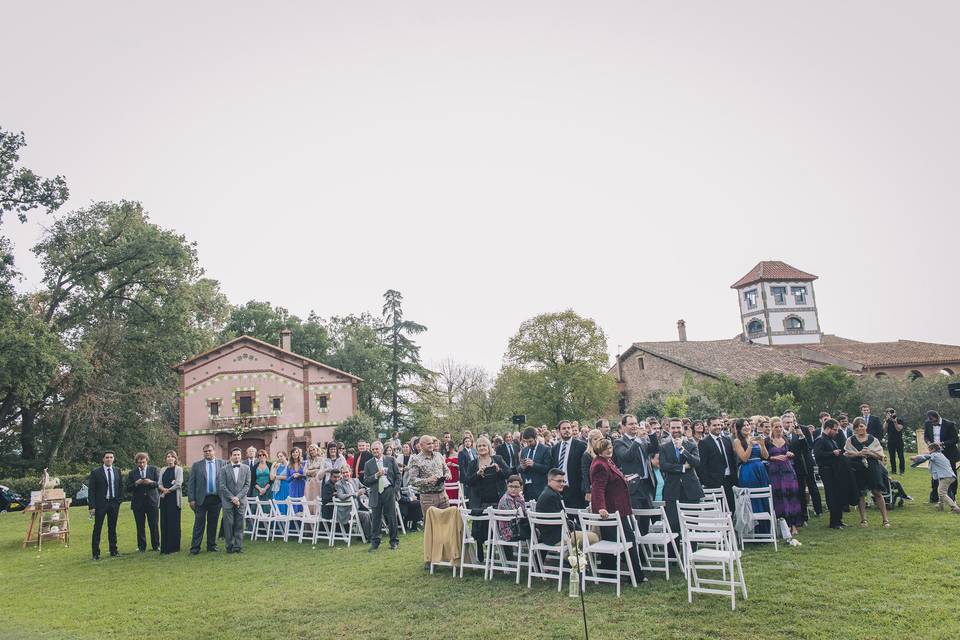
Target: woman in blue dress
(752,451)
(296,476)
(281,485)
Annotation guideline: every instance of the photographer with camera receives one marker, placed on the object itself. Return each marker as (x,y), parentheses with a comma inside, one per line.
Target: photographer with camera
(893,427)
(486,478)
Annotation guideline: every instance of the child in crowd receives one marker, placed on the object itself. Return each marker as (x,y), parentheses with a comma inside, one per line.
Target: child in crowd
(942,471)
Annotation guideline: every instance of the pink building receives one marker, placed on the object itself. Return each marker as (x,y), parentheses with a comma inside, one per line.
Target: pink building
(249,392)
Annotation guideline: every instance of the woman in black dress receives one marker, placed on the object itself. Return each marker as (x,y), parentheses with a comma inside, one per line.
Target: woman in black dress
(486,481)
(865,455)
(171,479)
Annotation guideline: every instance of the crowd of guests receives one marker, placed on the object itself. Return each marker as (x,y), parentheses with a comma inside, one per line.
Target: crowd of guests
(609,471)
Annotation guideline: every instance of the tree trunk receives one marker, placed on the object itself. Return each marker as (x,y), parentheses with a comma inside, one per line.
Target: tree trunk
(28,449)
(64,427)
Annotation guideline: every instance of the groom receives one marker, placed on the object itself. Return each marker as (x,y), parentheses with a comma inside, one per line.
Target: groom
(233,483)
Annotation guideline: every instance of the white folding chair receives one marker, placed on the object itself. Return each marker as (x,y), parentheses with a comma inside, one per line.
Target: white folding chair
(467,540)
(454,486)
(726,555)
(263,519)
(539,555)
(296,507)
(767,515)
(312,524)
(655,545)
(400,525)
(250,517)
(337,530)
(497,559)
(717,495)
(619,547)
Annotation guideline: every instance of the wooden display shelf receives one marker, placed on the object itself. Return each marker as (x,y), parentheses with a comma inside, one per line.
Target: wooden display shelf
(39,529)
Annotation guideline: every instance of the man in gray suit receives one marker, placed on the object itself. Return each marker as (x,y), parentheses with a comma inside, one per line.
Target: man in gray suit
(233,483)
(382,477)
(204,499)
(631,453)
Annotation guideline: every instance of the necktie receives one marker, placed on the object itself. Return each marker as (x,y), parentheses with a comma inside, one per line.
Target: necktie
(679,456)
(109,483)
(382,483)
(563,459)
(723,452)
(510,453)
(211,482)
(236,466)
(643,461)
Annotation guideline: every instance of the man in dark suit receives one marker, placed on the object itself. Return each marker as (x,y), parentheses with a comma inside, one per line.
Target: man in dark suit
(678,459)
(827,454)
(534,465)
(204,499)
(142,483)
(252,462)
(874,425)
(718,464)
(567,456)
(550,500)
(801,445)
(944,432)
(510,452)
(631,454)
(382,478)
(103,499)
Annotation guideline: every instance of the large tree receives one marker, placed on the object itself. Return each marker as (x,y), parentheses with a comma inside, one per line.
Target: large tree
(555,366)
(121,301)
(404,366)
(263,321)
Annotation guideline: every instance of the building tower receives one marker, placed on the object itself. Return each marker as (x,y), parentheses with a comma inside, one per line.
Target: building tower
(777,305)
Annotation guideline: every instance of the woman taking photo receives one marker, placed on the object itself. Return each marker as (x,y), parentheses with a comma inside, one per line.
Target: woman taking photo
(486,482)
(278,476)
(611,497)
(752,451)
(332,460)
(171,479)
(865,455)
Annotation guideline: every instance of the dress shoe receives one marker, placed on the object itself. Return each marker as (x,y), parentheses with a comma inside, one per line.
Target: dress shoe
(394,546)
(115,554)
(373,548)
(213,549)
(96,557)
(194,552)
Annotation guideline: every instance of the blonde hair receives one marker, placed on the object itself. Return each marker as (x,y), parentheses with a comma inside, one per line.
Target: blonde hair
(600,446)
(593,436)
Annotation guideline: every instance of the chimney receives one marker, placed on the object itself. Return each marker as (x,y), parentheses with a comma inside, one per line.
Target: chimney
(285,339)
(682,330)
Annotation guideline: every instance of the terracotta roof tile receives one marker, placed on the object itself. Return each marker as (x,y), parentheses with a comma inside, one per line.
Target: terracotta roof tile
(734,359)
(891,354)
(773,270)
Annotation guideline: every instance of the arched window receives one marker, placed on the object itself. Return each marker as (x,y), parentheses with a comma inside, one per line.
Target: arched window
(881,375)
(914,375)
(946,372)
(793,323)
(754,327)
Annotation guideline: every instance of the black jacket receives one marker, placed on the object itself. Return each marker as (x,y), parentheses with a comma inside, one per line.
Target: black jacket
(512,460)
(712,463)
(577,449)
(633,456)
(144,496)
(97,496)
(679,484)
(535,478)
(875,427)
(948,438)
(549,502)
(494,481)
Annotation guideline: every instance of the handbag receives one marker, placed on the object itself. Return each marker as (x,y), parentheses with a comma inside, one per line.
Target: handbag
(519,529)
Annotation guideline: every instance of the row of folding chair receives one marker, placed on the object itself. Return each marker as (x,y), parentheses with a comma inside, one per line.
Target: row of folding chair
(710,545)
(300,519)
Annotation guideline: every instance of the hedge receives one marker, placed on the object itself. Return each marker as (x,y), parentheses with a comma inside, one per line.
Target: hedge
(70,483)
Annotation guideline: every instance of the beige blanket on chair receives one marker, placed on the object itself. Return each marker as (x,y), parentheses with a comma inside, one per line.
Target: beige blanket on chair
(442,533)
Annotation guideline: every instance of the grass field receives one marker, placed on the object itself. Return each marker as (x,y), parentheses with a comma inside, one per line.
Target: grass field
(858,583)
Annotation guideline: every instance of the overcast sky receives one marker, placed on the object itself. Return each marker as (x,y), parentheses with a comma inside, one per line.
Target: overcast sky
(495,160)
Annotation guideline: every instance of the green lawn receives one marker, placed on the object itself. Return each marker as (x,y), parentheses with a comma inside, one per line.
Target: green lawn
(858,583)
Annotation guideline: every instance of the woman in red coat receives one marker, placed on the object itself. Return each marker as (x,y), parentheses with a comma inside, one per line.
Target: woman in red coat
(611,497)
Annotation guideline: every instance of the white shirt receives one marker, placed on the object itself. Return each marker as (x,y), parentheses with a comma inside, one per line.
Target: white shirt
(108,472)
(936,432)
(236,473)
